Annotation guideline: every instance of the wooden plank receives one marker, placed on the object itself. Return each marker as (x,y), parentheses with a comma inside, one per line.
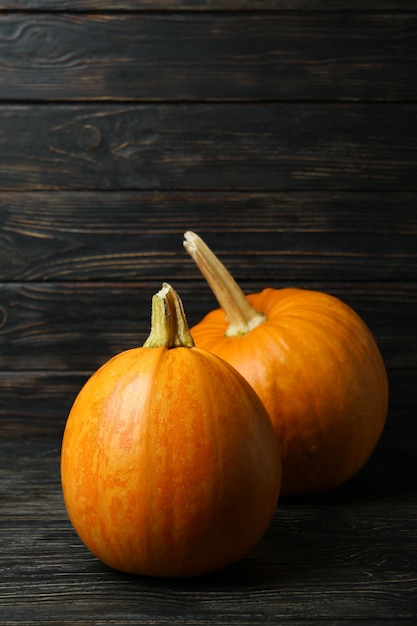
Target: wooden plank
(77,326)
(37,403)
(222,56)
(289,576)
(259,236)
(345,558)
(217,146)
(208,5)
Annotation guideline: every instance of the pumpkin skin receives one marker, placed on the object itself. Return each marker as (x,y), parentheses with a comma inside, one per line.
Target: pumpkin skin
(318,370)
(169,463)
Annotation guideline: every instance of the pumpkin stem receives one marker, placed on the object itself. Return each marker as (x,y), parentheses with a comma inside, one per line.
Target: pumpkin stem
(240,313)
(169,326)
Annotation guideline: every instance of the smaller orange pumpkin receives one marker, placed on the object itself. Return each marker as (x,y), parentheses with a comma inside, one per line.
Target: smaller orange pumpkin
(314,364)
(169,462)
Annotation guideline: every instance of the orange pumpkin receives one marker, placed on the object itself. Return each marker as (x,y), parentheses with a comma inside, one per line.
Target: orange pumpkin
(312,361)
(169,462)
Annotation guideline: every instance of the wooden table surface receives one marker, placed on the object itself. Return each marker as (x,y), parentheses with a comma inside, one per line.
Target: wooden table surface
(284,133)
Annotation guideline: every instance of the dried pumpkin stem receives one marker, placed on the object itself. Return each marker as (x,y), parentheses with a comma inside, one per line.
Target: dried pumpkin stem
(169,326)
(240,313)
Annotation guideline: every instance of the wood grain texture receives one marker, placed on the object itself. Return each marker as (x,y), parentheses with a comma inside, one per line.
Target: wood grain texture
(123,236)
(313,553)
(218,146)
(61,326)
(283,132)
(222,56)
(208,5)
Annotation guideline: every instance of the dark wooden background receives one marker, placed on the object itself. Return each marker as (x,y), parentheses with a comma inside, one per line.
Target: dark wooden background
(283,132)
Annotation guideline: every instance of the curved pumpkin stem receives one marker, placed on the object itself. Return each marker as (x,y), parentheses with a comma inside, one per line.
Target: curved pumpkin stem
(240,313)
(169,327)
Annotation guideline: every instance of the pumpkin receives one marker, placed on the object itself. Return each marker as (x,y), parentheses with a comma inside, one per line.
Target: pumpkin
(312,361)
(169,462)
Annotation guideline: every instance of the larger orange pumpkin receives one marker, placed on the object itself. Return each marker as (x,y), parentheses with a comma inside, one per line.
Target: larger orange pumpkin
(169,462)
(313,362)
